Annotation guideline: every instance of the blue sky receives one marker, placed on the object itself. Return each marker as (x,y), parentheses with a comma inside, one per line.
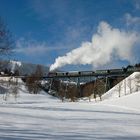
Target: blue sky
(46,29)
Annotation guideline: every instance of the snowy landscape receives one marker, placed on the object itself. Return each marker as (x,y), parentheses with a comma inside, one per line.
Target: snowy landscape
(42,116)
(69,69)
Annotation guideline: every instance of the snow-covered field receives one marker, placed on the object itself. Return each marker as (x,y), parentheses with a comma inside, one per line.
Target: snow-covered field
(36,117)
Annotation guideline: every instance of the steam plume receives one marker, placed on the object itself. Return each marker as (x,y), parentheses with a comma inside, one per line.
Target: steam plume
(106,45)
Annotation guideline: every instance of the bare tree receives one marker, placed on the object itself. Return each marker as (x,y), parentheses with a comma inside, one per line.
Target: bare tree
(88,90)
(39,72)
(72,92)
(124,86)
(119,88)
(61,90)
(32,84)
(6,42)
(29,83)
(137,81)
(94,95)
(61,94)
(129,84)
(33,81)
(14,89)
(99,88)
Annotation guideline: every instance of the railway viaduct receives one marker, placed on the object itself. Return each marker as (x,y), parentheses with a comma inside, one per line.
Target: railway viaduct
(84,84)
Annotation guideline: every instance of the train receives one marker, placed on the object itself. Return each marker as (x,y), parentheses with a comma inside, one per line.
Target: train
(96,72)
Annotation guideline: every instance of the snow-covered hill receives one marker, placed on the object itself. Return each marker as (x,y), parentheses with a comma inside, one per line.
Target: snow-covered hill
(128,86)
(14,65)
(125,94)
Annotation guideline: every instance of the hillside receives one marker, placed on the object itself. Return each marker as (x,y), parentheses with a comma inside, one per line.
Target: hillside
(128,86)
(125,94)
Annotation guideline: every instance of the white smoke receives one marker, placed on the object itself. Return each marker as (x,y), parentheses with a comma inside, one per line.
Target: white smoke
(106,45)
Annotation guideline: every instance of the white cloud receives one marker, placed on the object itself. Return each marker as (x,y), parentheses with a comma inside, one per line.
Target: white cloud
(130,20)
(106,45)
(32,47)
